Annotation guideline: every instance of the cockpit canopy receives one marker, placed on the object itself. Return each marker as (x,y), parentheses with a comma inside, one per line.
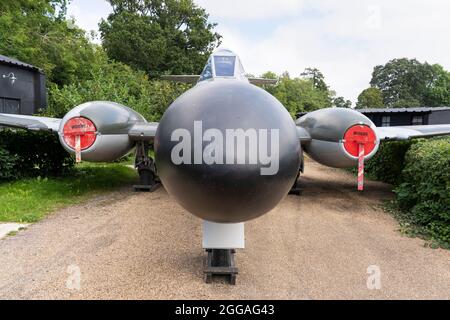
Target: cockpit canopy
(223,63)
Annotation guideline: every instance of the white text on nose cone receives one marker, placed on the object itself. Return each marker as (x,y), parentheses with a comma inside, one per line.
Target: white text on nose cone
(239,146)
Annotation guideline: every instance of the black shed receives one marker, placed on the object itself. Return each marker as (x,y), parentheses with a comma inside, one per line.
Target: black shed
(386,117)
(22,87)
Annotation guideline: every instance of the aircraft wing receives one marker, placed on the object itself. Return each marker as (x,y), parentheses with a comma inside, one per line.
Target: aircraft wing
(143,131)
(29,122)
(139,131)
(194,79)
(263,81)
(181,78)
(408,132)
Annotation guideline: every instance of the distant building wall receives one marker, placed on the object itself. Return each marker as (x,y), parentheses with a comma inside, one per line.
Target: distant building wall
(397,119)
(28,92)
(440,117)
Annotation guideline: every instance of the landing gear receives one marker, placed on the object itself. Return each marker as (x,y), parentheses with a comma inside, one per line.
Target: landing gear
(220,262)
(220,240)
(148,179)
(295,189)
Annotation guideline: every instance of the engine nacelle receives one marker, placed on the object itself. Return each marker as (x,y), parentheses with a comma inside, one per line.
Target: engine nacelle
(102,128)
(336,134)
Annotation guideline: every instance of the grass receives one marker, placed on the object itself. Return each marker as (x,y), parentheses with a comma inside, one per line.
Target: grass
(30,200)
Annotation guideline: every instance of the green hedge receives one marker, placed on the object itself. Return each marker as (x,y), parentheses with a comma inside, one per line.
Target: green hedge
(32,154)
(7,164)
(388,163)
(424,194)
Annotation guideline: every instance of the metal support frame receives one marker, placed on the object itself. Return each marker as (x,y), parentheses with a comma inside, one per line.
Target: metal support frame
(295,189)
(220,262)
(149,180)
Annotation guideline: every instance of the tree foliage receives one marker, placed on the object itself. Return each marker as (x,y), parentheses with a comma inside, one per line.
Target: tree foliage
(341,102)
(37,32)
(370,98)
(115,81)
(302,94)
(317,78)
(409,83)
(159,36)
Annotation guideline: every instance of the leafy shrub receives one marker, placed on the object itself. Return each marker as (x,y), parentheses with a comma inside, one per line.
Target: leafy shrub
(7,163)
(115,81)
(424,194)
(32,154)
(388,163)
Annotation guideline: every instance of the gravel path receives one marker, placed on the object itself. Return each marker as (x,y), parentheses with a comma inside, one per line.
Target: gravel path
(145,246)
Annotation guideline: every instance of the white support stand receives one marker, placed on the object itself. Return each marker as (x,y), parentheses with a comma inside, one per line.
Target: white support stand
(220,241)
(223,235)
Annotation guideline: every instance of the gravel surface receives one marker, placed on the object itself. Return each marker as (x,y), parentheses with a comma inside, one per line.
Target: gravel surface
(127,245)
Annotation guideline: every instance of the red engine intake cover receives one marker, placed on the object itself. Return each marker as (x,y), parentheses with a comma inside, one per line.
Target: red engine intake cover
(359,134)
(82,127)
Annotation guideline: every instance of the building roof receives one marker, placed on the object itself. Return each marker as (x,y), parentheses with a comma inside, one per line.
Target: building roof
(15,62)
(398,110)
(393,110)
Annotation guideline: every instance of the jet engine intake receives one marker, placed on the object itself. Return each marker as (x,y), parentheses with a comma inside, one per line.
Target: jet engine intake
(101,128)
(336,135)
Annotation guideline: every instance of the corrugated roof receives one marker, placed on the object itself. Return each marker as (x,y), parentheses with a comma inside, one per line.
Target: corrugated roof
(397,110)
(393,110)
(16,62)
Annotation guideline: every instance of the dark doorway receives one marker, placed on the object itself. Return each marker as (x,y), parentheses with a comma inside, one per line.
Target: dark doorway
(8,105)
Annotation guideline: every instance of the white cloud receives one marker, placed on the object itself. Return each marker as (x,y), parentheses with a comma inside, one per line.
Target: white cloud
(346,39)
(251,9)
(88,13)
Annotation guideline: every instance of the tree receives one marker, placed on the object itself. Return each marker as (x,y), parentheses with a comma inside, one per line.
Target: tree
(159,36)
(408,83)
(439,93)
(38,33)
(269,75)
(298,94)
(316,77)
(340,102)
(370,98)
(118,82)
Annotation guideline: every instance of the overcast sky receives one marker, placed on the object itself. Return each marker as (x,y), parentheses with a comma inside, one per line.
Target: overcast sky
(344,39)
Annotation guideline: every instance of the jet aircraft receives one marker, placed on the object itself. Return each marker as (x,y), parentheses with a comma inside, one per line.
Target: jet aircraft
(226,150)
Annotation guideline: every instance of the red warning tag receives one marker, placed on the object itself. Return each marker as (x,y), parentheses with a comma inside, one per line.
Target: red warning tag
(361,167)
(77,149)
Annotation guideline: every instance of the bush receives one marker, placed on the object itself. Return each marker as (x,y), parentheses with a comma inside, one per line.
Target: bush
(424,194)
(32,154)
(388,163)
(7,164)
(114,81)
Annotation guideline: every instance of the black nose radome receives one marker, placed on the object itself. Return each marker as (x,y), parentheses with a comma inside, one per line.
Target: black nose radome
(217,179)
